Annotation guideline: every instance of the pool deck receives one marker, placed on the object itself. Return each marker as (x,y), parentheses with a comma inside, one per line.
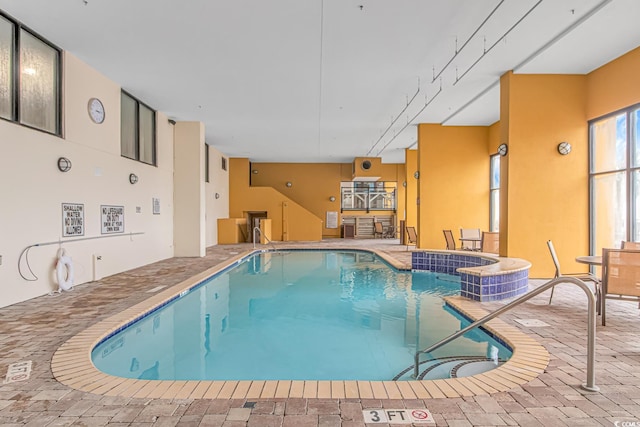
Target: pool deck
(35,329)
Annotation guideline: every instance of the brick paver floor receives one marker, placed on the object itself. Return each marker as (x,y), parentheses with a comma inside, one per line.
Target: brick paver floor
(34,329)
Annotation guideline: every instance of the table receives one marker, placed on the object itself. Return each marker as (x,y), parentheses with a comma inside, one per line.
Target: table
(473,241)
(590,259)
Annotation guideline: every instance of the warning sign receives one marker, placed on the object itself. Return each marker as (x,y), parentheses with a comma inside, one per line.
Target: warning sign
(397,416)
(18,372)
(112,219)
(72,219)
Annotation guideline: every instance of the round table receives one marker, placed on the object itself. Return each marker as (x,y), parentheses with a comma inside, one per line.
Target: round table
(590,259)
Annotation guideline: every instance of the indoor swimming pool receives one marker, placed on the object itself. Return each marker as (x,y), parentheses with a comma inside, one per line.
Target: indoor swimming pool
(301,315)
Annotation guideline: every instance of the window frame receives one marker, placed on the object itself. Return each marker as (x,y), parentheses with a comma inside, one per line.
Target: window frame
(629,169)
(18,27)
(206,162)
(494,227)
(154,135)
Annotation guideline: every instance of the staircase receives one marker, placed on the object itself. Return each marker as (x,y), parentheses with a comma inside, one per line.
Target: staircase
(450,367)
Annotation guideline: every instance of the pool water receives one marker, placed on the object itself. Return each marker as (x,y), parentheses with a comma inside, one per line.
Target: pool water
(298,315)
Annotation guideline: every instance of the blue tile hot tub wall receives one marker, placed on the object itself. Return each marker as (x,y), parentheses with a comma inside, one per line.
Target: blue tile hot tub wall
(488,287)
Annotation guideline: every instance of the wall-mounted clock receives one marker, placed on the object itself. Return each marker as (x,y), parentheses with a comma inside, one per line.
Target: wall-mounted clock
(503,149)
(96,110)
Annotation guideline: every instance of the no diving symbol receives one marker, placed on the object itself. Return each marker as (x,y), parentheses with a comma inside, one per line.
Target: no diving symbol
(419,415)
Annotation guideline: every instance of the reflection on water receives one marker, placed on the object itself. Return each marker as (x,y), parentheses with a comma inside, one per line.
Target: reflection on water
(296,315)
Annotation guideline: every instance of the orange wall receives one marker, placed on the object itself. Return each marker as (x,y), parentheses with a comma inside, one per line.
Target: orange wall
(314,183)
(546,193)
(454,181)
(614,86)
(411,161)
(290,221)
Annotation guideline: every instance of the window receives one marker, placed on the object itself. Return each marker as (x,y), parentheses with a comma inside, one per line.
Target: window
(494,194)
(137,131)
(206,162)
(224,163)
(614,179)
(32,97)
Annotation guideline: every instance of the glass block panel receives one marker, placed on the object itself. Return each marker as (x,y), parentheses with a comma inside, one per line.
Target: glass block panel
(635,138)
(128,127)
(609,144)
(6,65)
(38,83)
(147,135)
(609,201)
(495,172)
(635,200)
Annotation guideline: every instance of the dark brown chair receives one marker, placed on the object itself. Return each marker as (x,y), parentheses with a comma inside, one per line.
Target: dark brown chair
(451,242)
(620,277)
(582,276)
(412,237)
(490,242)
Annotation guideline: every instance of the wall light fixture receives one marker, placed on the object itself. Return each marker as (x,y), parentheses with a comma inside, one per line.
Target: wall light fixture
(133,178)
(64,164)
(332,199)
(564,148)
(289,184)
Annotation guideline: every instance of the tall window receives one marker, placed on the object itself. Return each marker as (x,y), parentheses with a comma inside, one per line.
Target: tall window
(494,194)
(614,175)
(29,78)
(138,130)
(206,162)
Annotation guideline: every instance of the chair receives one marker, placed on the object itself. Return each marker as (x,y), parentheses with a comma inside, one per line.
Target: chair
(377,229)
(582,276)
(620,277)
(390,232)
(630,245)
(469,237)
(412,236)
(490,242)
(451,242)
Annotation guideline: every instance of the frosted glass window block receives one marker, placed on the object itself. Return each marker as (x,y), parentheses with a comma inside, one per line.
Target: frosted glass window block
(128,127)
(6,65)
(609,144)
(635,138)
(609,216)
(38,83)
(147,143)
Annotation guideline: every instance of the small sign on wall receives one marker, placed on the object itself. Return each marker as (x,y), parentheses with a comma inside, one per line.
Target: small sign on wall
(72,219)
(112,219)
(156,205)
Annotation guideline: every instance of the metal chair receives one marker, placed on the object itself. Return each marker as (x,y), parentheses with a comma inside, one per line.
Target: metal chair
(630,245)
(582,276)
(620,277)
(451,242)
(412,237)
(472,236)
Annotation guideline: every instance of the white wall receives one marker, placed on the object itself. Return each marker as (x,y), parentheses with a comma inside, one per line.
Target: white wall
(32,191)
(218,183)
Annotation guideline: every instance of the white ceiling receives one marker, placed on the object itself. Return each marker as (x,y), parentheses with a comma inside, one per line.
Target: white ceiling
(322,80)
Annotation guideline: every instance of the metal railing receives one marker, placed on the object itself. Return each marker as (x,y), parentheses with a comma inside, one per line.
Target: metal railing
(591,327)
(368,198)
(262,234)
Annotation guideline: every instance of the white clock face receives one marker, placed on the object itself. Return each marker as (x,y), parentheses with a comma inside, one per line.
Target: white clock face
(96,110)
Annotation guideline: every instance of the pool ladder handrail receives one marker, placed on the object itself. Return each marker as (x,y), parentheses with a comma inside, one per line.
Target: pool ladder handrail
(262,234)
(591,327)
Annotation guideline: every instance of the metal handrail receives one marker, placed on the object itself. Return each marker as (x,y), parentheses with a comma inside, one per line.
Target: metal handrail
(591,327)
(262,234)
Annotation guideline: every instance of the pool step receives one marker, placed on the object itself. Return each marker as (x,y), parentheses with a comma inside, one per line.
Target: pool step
(450,367)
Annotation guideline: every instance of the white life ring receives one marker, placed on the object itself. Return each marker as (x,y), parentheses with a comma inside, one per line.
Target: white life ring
(64,273)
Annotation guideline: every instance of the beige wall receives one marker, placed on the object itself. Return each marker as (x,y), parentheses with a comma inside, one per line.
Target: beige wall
(218,184)
(33,191)
(189,208)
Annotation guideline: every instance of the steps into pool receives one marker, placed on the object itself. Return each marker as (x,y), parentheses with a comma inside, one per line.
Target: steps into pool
(450,367)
